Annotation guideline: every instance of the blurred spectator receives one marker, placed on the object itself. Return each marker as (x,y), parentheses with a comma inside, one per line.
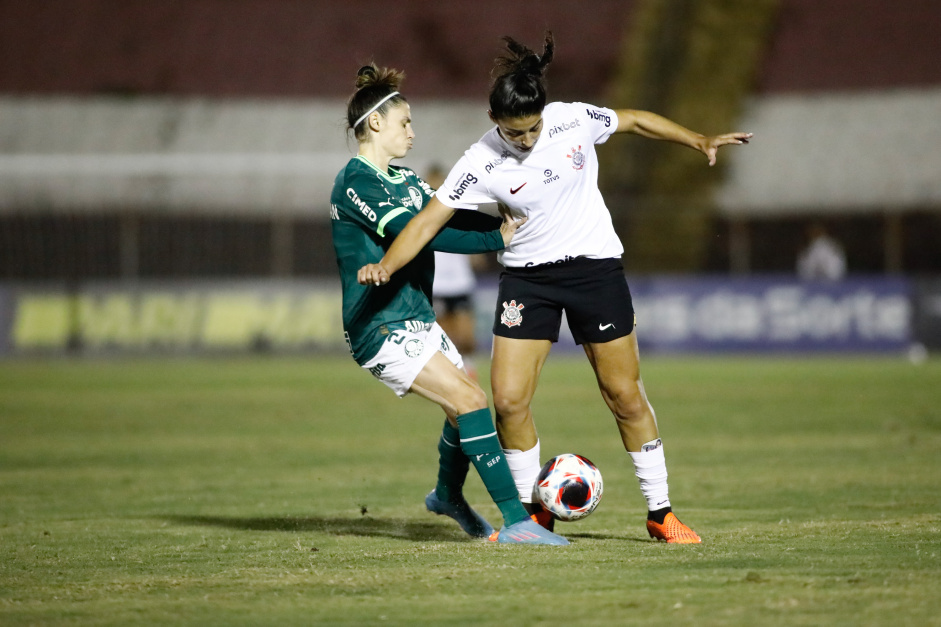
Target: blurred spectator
(453,291)
(823,258)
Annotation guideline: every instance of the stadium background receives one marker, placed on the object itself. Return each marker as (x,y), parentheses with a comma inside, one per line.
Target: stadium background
(165,166)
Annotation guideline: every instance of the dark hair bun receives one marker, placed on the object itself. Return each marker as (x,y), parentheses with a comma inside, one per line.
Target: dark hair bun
(374,86)
(385,78)
(524,60)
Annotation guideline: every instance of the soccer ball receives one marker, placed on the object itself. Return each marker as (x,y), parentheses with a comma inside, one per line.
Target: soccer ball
(569,486)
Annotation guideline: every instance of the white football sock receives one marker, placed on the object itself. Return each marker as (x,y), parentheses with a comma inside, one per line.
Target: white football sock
(650,466)
(524,466)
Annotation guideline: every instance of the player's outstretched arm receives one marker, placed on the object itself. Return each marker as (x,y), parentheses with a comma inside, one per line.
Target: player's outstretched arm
(416,234)
(655,126)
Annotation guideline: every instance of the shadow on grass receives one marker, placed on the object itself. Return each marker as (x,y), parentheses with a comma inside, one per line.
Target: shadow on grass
(591,535)
(365,526)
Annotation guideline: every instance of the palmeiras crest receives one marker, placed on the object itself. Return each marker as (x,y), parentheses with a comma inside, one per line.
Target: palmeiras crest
(414,348)
(511,314)
(416,197)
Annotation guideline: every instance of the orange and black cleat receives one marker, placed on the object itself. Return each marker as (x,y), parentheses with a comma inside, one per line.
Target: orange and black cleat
(672,531)
(541,515)
(545,519)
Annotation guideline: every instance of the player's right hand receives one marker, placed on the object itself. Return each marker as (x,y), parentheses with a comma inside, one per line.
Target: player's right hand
(509,226)
(372,274)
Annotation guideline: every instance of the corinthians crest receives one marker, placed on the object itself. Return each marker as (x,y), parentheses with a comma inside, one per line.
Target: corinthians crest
(511,314)
(577,157)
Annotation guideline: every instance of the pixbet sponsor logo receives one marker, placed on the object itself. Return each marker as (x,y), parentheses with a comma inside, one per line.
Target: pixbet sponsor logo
(565,126)
(499,161)
(466,181)
(600,116)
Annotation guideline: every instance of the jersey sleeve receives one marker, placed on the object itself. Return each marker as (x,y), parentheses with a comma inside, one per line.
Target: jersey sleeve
(452,240)
(464,187)
(600,122)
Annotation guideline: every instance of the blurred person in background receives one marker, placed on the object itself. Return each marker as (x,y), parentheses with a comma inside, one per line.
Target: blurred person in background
(823,259)
(391,330)
(453,290)
(539,160)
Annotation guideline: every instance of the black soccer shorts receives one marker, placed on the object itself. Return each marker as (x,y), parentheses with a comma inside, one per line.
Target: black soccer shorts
(446,305)
(593,293)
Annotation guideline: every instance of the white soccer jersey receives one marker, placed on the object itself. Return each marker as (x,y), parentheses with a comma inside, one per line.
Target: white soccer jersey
(555,185)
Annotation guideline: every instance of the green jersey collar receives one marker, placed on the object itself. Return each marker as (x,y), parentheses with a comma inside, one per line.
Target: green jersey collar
(398,178)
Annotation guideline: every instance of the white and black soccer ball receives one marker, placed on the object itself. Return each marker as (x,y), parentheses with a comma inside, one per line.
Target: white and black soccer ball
(569,486)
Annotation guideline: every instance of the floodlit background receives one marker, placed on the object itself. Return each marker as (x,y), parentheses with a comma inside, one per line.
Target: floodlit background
(165,170)
(165,167)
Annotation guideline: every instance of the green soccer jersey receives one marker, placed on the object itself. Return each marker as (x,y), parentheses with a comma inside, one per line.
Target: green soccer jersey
(368,208)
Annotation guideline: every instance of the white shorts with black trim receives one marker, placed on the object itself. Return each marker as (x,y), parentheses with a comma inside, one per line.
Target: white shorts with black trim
(405,353)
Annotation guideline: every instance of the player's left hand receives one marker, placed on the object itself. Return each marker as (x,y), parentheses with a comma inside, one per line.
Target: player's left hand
(711,144)
(372,274)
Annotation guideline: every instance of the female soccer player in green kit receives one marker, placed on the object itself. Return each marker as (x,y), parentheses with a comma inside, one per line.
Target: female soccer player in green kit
(391,329)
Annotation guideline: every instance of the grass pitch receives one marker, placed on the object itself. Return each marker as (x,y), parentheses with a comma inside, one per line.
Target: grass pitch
(290,491)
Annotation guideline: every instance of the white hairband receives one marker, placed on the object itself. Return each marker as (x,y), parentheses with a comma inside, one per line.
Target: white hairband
(374,107)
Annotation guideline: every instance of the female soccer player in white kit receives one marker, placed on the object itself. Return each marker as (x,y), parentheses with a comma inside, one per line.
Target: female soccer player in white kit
(540,161)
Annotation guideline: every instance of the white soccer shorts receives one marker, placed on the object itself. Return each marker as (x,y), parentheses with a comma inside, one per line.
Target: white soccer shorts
(405,353)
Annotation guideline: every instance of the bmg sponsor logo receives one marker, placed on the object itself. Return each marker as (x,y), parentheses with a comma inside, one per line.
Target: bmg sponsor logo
(601,116)
(466,181)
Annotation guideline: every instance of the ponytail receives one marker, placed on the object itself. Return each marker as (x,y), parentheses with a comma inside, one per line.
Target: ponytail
(519,88)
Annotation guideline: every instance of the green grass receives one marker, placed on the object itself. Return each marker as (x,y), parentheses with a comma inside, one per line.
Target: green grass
(289,491)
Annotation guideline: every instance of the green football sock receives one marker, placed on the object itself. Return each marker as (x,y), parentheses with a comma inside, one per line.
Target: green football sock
(480,444)
(452,464)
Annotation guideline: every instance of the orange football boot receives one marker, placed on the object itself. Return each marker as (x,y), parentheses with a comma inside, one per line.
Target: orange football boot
(541,515)
(672,531)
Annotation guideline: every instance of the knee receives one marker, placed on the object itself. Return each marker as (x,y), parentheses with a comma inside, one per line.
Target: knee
(630,404)
(510,406)
(470,398)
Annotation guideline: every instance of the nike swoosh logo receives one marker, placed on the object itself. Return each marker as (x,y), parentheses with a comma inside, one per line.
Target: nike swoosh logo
(605,327)
(513,191)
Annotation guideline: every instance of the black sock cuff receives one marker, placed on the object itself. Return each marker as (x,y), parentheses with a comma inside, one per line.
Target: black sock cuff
(658,516)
